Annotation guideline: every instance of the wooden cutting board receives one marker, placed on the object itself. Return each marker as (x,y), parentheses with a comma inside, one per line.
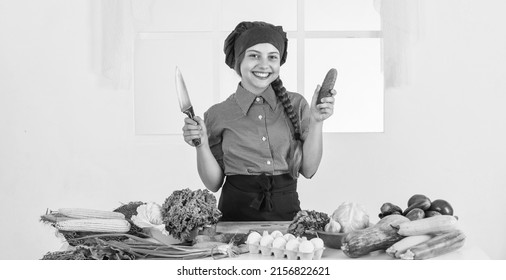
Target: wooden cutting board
(246,227)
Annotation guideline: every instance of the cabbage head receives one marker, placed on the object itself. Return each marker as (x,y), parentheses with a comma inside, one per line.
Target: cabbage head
(352,216)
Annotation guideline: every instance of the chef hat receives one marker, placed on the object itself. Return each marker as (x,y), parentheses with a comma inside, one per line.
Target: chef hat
(247,34)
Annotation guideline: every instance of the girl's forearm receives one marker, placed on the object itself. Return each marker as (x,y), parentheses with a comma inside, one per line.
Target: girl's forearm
(209,170)
(312,149)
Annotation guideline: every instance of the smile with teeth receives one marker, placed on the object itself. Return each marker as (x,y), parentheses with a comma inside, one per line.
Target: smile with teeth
(262,75)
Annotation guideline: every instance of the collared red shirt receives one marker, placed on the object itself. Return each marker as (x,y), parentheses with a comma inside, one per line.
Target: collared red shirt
(250,134)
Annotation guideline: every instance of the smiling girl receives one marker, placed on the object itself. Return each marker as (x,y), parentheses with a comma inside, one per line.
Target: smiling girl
(255,144)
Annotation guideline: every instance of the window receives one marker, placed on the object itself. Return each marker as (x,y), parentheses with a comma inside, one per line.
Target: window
(322,34)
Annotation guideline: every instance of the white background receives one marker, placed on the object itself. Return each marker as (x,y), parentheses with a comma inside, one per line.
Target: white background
(67,140)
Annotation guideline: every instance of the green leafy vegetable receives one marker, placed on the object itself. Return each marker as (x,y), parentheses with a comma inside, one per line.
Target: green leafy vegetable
(91,249)
(186,211)
(308,220)
(96,248)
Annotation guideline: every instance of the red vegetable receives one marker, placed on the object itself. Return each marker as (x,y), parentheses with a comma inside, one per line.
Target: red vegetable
(388,209)
(430,213)
(441,206)
(417,201)
(415,214)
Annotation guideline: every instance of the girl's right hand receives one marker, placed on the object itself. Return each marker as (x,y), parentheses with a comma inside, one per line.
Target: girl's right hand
(194,129)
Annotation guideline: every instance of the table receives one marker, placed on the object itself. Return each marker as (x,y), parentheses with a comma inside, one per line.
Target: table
(467,252)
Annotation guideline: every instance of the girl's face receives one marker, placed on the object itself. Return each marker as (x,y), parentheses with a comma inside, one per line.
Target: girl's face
(259,67)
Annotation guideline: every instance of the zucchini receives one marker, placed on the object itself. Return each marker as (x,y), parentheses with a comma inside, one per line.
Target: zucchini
(378,237)
(327,85)
(436,246)
(431,225)
(401,246)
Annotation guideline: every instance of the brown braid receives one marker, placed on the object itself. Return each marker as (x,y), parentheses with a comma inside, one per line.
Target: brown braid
(280,90)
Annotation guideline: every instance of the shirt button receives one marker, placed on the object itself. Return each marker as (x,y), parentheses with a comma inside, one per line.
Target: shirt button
(263,138)
(268,162)
(260,117)
(259,99)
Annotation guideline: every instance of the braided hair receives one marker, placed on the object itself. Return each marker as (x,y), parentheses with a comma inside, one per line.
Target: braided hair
(295,155)
(280,91)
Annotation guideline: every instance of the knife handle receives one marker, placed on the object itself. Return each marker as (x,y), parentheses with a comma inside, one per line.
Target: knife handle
(191,115)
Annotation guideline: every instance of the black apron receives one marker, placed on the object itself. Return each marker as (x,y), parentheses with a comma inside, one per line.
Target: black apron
(259,198)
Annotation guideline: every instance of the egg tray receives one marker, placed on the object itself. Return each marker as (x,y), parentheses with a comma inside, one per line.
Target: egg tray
(284,253)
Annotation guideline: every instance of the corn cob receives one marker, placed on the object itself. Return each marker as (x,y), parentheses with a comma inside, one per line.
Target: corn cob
(94,225)
(84,213)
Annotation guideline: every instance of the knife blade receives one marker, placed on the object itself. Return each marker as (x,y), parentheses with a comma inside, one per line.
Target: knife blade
(184,100)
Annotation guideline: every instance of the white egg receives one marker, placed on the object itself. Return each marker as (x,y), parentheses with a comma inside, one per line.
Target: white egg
(276,233)
(292,245)
(306,246)
(288,237)
(254,238)
(279,243)
(266,240)
(317,242)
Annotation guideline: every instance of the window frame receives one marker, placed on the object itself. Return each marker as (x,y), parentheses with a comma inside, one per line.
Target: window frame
(216,34)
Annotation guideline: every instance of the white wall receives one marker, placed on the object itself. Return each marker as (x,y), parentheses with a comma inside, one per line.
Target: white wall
(67,140)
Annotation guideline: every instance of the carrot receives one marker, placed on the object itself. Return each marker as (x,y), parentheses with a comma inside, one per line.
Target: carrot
(436,246)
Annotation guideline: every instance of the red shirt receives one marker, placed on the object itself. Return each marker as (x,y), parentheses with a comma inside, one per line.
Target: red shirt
(250,134)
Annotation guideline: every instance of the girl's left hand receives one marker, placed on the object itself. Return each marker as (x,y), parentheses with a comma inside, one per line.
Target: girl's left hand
(325,109)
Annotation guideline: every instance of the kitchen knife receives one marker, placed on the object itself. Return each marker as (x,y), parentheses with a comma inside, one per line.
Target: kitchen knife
(184,100)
